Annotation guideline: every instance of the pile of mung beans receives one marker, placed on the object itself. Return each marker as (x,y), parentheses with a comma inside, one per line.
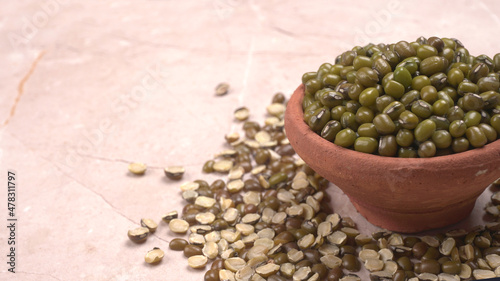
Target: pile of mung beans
(420,99)
(269,218)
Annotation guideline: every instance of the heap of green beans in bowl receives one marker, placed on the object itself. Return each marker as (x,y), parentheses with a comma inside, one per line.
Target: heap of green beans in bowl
(409,99)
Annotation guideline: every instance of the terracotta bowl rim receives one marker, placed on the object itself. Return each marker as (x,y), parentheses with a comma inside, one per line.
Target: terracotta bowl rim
(295,114)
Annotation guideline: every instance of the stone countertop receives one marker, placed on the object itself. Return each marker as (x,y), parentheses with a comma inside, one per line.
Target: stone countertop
(89,86)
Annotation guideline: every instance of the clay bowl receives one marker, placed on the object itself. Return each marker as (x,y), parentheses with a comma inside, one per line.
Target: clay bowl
(404,195)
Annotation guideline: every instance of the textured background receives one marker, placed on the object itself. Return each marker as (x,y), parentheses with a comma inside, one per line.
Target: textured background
(87,86)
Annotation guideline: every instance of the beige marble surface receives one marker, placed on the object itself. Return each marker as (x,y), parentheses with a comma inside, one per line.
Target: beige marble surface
(87,86)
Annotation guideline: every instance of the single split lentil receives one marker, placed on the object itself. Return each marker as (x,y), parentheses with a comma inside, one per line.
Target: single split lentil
(271,218)
(420,99)
(137,168)
(154,256)
(222,89)
(174,172)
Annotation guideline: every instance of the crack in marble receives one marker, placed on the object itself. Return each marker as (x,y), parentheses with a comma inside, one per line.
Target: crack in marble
(20,88)
(106,159)
(115,160)
(116,210)
(95,192)
(74,179)
(283,31)
(128,162)
(159,238)
(40,274)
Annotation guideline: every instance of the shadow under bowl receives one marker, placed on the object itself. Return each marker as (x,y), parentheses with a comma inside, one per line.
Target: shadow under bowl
(400,194)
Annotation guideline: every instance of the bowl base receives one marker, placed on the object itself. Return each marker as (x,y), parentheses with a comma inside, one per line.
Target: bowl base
(406,222)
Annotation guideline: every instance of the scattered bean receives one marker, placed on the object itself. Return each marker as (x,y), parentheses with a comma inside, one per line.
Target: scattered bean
(197,261)
(154,256)
(149,224)
(222,89)
(174,172)
(138,235)
(137,168)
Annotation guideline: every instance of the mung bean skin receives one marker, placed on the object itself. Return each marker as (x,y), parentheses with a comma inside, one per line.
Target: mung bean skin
(348,120)
(451,267)
(408,120)
(384,124)
(424,130)
(404,137)
(420,81)
(424,51)
(178,244)
(208,166)
(192,250)
(367,76)
(394,89)
(367,130)
(212,275)
(422,109)
(368,96)
(489,132)
(442,139)
(403,76)
(335,274)
(432,65)
(351,263)
(388,146)
(383,101)
(366,144)
(460,144)
(404,50)
(394,109)
(331,129)
(428,266)
(441,122)
(345,138)
(476,136)
(439,80)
